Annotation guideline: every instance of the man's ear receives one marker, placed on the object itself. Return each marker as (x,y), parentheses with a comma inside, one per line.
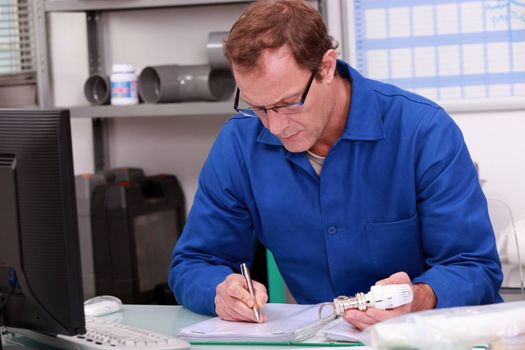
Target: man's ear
(328,65)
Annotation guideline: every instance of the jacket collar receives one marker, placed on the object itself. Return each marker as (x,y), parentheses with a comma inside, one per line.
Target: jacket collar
(364,119)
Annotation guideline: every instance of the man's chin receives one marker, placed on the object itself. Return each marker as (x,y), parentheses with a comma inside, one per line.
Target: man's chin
(294,147)
(295,143)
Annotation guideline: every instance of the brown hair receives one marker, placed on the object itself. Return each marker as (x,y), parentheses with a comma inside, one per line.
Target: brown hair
(271,24)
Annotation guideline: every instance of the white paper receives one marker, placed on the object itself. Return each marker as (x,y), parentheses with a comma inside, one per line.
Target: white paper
(286,322)
(342,331)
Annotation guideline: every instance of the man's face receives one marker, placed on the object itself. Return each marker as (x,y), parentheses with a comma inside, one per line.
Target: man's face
(279,81)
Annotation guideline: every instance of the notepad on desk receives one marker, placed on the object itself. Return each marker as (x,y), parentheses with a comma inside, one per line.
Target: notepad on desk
(285,322)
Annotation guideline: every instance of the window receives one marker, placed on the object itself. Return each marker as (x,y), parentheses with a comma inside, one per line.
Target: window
(448,50)
(17,54)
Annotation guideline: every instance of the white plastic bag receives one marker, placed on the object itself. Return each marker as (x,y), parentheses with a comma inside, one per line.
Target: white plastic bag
(454,328)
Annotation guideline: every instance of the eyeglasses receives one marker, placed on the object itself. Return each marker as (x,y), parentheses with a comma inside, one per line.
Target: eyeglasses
(291,108)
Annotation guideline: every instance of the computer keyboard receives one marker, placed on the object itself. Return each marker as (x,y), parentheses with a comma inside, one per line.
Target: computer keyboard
(102,334)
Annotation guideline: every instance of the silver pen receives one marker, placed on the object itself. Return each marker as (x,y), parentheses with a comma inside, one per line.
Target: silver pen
(246,273)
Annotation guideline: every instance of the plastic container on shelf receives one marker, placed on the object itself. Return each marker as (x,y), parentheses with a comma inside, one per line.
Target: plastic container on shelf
(124,85)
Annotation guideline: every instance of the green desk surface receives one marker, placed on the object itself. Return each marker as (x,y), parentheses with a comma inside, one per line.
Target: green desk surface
(168,320)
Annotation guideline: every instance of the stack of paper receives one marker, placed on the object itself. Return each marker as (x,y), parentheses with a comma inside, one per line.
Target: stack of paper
(286,322)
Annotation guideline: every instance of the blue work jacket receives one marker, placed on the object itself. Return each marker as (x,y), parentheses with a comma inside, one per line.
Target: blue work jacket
(398,192)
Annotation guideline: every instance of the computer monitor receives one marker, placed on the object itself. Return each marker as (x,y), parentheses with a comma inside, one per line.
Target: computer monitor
(38,224)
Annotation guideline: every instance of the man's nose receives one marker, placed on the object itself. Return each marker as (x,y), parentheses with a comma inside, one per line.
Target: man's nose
(277,122)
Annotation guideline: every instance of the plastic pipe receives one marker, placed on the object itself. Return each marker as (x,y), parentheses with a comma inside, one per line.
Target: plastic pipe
(215,50)
(97,89)
(177,83)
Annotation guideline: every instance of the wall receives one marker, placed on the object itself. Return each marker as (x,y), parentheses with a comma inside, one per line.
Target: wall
(496,143)
(69,69)
(162,145)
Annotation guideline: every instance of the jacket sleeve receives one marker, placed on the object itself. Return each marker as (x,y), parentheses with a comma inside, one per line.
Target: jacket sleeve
(218,235)
(457,236)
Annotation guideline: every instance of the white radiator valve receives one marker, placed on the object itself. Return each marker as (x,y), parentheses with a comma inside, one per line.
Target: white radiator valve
(380,297)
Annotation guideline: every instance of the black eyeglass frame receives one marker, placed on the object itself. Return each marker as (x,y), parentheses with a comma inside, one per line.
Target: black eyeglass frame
(250,112)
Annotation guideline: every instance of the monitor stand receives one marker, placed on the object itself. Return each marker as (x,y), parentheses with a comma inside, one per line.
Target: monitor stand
(9,244)
(8,340)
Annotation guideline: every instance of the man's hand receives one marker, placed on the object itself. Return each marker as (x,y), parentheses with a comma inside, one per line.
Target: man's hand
(424,299)
(233,302)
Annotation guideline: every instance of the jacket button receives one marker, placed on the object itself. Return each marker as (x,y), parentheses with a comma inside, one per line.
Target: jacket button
(332,230)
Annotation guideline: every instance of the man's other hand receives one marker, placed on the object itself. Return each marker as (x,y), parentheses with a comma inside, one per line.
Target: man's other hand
(233,302)
(424,299)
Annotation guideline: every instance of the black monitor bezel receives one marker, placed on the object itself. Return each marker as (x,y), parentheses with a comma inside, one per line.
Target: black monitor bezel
(29,307)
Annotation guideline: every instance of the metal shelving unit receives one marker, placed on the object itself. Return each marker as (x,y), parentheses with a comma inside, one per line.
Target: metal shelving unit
(105,5)
(95,9)
(190,109)
(101,115)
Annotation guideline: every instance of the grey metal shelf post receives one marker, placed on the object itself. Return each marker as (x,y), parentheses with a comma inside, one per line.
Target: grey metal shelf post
(43,81)
(97,65)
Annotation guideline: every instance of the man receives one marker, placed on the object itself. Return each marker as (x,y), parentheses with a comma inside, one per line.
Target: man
(347,181)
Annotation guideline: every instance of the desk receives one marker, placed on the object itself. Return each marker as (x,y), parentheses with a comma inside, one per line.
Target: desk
(168,320)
